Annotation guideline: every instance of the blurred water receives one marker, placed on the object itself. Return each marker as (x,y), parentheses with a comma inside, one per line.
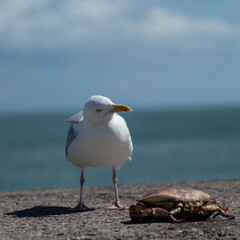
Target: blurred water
(173,145)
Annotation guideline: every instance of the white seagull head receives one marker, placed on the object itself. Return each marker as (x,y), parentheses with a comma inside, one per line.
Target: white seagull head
(99,109)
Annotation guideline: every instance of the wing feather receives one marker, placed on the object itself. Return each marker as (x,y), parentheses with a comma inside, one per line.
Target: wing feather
(70,137)
(75,118)
(72,133)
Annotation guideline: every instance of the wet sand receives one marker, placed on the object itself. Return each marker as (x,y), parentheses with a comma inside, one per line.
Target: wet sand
(44,214)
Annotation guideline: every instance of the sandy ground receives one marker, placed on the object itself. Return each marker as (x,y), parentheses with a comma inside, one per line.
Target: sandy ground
(44,214)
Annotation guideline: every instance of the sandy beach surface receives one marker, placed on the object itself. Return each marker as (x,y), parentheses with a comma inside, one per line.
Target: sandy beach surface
(44,214)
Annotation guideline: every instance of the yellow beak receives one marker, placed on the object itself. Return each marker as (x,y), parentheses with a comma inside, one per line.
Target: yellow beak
(120,108)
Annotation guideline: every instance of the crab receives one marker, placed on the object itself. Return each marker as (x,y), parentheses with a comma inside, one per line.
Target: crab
(176,205)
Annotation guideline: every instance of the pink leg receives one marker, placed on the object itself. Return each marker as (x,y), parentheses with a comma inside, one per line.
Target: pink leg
(117,204)
(81,207)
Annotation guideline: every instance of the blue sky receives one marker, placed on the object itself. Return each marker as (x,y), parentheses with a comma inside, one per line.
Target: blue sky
(55,54)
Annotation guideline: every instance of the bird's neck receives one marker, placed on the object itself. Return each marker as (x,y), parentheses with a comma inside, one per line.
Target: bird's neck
(94,122)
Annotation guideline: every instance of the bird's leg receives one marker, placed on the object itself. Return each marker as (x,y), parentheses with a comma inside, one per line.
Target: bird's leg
(81,207)
(117,204)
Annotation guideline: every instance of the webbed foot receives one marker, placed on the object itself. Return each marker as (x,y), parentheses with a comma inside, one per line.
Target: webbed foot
(118,206)
(81,208)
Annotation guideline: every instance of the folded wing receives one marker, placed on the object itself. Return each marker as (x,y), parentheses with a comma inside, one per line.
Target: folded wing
(72,133)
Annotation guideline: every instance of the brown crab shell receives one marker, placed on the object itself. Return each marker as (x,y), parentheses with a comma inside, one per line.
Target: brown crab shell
(167,198)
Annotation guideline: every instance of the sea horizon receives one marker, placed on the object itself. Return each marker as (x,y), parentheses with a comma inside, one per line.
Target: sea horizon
(174,144)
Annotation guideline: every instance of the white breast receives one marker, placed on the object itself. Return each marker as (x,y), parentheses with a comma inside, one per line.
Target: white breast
(106,144)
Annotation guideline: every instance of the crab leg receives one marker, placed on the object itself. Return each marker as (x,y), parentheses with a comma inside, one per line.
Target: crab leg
(175,211)
(224,214)
(219,211)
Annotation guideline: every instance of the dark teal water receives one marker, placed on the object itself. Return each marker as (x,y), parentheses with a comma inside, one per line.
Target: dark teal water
(173,145)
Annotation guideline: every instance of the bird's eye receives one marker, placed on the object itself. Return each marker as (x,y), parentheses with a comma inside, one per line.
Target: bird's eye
(98,110)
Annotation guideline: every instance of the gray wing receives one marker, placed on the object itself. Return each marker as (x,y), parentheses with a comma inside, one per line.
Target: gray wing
(71,132)
(75,118)
(70,137)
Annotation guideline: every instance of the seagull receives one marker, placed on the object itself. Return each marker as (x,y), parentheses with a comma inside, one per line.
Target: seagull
(99,136)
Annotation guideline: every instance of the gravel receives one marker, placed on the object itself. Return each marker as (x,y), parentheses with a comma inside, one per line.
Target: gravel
(45,214)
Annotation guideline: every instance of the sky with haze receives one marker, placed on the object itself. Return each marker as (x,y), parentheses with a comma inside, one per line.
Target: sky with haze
(55,54)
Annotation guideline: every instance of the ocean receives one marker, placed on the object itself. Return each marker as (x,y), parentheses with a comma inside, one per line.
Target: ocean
(169,145)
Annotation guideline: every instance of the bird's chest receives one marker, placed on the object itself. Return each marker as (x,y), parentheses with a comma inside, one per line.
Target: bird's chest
(99,138)
(108,145)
